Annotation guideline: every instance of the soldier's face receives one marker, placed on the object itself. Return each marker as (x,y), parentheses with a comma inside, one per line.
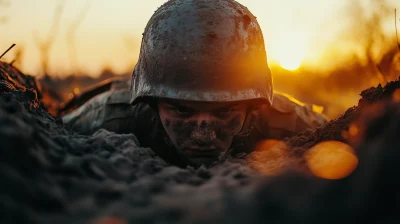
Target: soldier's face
(202,131)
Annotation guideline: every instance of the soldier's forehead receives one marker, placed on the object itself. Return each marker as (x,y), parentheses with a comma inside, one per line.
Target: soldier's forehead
(200,104)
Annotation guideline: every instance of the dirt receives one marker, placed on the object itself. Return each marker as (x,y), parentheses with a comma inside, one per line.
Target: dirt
(51,175)
(336,129)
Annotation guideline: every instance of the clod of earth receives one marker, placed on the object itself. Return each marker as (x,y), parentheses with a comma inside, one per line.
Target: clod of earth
(52,175)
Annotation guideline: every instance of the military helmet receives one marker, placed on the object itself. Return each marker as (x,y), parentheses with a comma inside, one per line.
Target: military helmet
(202,50)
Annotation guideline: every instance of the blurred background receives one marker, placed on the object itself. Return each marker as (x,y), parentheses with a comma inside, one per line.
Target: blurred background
(321,52)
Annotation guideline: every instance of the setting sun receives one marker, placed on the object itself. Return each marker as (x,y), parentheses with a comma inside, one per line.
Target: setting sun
(289,63)
(289,50)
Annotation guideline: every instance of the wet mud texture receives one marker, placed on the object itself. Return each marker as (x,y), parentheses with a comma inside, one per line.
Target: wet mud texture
(51,175)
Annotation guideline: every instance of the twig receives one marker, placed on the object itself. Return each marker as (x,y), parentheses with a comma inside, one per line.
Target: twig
(7,50)
(395,26)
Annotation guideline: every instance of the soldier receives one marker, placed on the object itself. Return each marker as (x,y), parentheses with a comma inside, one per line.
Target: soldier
(201,89)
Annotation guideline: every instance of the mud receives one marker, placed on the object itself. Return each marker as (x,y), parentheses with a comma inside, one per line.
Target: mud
(186,133)
(51,175)
(205,133)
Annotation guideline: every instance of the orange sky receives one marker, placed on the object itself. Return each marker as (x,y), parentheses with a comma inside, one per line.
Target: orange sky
(110,33)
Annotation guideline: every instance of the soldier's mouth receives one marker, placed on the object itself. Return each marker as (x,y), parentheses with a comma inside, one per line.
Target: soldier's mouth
(203,153)
(204,159)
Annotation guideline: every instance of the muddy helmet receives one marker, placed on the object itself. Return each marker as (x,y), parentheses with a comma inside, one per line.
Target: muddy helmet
(202,50)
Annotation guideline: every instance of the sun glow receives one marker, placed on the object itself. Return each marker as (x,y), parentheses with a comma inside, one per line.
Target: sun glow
(289,50)
(290,64)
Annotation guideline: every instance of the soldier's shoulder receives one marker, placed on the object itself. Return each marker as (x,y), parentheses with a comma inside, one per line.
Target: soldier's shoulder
(287,116)
(107,104)
(96,94)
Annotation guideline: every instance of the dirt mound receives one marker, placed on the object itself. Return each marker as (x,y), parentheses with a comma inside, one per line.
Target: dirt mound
(337,129)
(20,86)
(52,175)
(369,194)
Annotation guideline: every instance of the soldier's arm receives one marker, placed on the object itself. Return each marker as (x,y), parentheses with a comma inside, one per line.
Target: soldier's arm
(109,110)
(286,118)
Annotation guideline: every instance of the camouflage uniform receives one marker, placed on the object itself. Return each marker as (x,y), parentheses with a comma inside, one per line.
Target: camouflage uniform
(112,110)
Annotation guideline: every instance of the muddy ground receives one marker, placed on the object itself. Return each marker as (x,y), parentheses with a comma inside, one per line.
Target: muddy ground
(51,175)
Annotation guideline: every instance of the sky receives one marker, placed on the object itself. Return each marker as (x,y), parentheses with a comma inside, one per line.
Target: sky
(109,35)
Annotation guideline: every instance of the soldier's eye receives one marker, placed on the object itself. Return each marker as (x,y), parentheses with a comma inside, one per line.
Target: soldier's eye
(224,112)
(183,111)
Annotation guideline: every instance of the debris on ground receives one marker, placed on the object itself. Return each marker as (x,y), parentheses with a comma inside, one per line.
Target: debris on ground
(52,175)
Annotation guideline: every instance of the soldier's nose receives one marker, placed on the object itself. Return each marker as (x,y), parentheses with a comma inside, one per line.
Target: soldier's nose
(204,119)
(203,133)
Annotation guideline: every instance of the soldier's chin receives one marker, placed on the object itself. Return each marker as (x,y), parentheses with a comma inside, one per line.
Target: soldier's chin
(204,160)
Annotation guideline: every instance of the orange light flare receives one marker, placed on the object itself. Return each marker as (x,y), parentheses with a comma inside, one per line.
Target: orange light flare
(354,134)
(70,96)
(269,157)
(396,96)
(76,91)
(331,160)
(109,220)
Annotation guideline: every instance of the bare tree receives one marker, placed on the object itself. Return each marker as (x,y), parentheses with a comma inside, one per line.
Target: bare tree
(366,36)
(46,44)
(71,36)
